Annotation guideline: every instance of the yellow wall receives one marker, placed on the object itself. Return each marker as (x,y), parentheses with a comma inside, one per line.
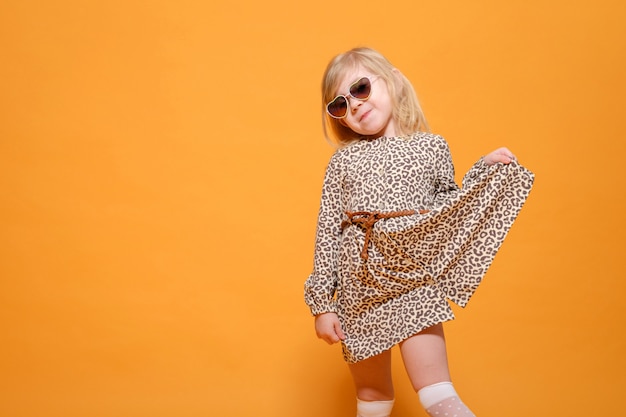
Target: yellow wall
(160,170)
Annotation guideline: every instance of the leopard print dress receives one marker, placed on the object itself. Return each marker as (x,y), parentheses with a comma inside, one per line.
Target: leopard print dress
(397,280)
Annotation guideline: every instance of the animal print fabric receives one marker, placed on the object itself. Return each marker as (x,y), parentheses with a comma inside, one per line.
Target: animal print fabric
(415,263)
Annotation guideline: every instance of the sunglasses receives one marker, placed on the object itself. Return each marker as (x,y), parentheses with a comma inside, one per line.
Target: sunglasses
(360,90)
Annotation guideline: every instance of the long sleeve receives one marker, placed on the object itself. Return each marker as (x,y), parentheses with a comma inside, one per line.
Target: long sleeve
(446,188)
(320,287)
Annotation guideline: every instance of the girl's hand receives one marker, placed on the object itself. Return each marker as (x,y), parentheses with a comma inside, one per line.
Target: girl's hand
(499,155)
(328,328)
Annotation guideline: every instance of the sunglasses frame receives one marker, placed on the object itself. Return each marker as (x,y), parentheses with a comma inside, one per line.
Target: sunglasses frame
(346,97)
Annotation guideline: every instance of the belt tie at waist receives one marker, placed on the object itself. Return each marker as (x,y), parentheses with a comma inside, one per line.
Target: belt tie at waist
(367,219)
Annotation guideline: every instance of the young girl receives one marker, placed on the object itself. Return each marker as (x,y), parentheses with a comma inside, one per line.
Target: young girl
(396,237)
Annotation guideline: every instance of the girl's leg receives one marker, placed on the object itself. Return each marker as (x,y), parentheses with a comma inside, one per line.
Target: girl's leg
(425,357)
(374,387)
(426,362)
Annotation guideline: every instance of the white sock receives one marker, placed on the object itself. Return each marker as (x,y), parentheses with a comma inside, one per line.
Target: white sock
(441,400)
(373,408)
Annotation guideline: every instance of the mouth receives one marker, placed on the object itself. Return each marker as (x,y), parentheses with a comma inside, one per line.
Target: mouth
(364,115)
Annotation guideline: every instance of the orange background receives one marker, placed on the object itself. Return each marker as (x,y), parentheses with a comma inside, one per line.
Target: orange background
(160,173)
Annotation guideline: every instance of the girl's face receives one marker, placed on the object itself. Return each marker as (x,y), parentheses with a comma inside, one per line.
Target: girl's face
(371,117)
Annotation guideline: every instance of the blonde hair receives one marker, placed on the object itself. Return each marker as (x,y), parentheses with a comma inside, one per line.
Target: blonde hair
(407,112)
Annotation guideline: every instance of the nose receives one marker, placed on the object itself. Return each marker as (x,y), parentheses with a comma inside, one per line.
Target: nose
(354,103)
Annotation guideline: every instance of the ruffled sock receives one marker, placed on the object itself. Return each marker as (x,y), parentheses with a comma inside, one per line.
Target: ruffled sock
(373,408)
(441,400)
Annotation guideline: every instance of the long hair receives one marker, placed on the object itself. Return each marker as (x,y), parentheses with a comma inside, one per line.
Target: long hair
(407,112)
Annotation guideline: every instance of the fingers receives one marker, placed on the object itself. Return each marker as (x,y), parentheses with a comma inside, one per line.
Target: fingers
(339,332)
(505,159)
(331,337)
(328,328)
(502,155)
(507,155)
(328,335)
(333,334)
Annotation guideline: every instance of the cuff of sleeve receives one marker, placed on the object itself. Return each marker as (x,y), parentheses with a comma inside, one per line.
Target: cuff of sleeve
(321,309)
(480,167)
(481,164)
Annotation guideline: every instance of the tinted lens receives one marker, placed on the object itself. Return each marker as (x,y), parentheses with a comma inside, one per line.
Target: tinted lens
(338,107)
(361,89)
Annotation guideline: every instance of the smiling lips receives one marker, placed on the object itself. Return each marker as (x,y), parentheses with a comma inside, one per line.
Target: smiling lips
(364,115)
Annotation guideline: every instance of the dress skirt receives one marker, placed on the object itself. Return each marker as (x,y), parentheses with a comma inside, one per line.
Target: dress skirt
(417,263)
